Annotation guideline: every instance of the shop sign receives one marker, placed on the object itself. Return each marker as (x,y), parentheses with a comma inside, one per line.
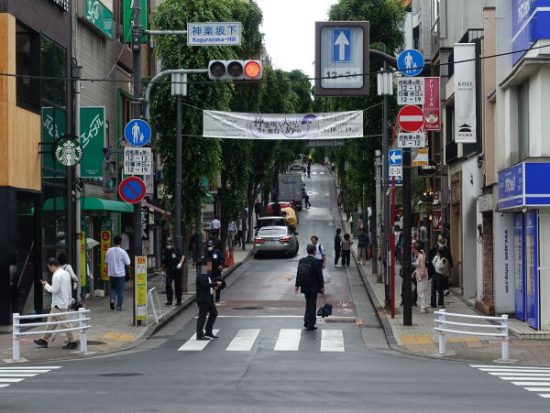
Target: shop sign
(144,223)
(128,18)
(92,139)
(465,93)
(105,245)
(421,157)
(530,22)
(141,288)
(432,115)
(437,220)
(99,16)
(485,203)
(62,4)
(67,151)
(54,125)
(510,187)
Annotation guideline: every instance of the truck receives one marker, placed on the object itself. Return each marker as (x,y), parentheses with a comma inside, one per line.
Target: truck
(291,189)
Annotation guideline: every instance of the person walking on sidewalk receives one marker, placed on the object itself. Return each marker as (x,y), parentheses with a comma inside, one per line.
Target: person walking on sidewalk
(362,246)
(440,271)
(319,251)
(337,245)
(309,281)
(205,290)
(64,263)
(61,300)
(173,261)
(421,276)
(117,263)
(346,250)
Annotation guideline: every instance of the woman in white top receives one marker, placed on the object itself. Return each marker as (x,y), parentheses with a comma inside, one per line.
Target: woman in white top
(421,276)
(64,264)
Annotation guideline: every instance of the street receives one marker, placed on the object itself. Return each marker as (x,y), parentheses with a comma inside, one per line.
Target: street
(264,359)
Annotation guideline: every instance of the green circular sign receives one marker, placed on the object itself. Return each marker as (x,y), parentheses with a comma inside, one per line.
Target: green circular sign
(67,151)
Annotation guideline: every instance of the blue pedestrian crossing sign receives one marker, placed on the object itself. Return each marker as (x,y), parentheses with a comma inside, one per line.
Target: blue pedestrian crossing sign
(137,132)
(410,62)
(395,157)
(341,45)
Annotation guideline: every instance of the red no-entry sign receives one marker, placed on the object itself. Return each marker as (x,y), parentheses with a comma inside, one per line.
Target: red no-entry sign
(411,118)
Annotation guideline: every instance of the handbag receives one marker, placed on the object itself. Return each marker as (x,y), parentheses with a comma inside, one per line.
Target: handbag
(326,276)
(325,310)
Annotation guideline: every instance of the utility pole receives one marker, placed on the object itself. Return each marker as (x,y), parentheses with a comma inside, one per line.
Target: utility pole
(406,290)
(378,244)
(76,74)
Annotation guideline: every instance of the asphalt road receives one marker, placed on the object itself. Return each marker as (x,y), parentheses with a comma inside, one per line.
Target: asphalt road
(264,361)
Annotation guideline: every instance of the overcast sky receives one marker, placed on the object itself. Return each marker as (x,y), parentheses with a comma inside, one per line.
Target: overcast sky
(289,31)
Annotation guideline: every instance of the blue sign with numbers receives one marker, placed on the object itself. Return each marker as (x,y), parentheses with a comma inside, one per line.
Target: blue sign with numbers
(341,45)
(395,157)
(137,132)
(410,62)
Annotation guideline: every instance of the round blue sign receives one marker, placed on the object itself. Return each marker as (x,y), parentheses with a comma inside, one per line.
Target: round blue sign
(137,132)
(410,62)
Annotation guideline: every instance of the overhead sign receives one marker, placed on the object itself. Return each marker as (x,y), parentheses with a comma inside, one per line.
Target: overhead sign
(411,140)
(138,161)
(395,157)
(132,190)
(214,34)
(67,151)
(410,118)
(410,62)
(341,58)
(431,106)
(410,91)
(311,126)
(137,132)
(421,158)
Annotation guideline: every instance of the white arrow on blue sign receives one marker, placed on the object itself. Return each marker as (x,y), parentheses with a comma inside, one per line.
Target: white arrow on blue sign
(395,157)
(137,132)
(341,45)
(410,62)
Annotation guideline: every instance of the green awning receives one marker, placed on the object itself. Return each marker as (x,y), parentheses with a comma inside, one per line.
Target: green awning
(90,204)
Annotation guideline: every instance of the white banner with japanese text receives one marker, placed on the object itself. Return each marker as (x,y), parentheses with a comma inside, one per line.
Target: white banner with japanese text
(465,92)
(233,125)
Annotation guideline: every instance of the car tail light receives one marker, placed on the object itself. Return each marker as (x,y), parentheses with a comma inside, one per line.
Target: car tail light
(285,239)
(259,241)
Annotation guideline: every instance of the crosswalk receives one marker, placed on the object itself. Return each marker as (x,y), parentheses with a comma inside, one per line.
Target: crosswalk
(288,339)
(533,379)
(10,375)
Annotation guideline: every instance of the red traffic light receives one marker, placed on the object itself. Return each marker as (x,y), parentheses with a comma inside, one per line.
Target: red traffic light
(235,69)
(253,69)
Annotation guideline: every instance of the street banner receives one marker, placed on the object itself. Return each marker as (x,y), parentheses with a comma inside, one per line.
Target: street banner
(232,125)
(437,221)
(83,263)
(105,245)
(465,92)
(54,125)
(92,141)
(141,288)
(432,111)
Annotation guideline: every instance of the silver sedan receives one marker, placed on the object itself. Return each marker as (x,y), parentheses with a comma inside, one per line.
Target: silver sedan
(272,239)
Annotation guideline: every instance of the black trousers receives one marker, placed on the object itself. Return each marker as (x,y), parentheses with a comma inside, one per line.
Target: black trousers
(310,316)
(175,277)
(438,287)
(346,257)
(337,255)
(206,308)
(307,203)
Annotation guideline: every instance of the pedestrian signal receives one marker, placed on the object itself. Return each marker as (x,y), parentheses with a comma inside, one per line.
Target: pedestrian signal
(235,70)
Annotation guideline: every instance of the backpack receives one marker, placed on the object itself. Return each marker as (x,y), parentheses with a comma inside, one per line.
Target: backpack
(303,275)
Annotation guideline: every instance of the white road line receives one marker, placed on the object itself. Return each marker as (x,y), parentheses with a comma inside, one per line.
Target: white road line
(23,371)
(542,379)
(332,340)
(544,389)
(546,396)
(195,345)
(517,371)
(520,374)
(244,340)
(529,383)
(31,367)
(480,366)
(10,380)
(289,340)
(17,374)
(3,385)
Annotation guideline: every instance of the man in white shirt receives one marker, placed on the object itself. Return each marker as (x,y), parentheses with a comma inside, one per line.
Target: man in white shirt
(319,251)
(117,261)
(215,226)
(61,300)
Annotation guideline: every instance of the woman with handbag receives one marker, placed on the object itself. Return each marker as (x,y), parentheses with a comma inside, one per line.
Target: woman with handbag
(441,273)
(421,276)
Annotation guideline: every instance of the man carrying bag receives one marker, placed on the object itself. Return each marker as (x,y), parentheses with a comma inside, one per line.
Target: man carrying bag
(309,281)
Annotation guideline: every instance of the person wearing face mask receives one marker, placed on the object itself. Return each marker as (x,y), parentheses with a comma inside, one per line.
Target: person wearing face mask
(173,261)
(214,254)
(441,244)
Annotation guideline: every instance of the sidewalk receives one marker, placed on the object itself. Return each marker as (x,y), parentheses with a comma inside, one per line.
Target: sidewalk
(112,330)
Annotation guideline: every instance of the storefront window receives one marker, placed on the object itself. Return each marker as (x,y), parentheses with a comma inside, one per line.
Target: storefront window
(54,222)
(53,67)
(523,121)
(27,65)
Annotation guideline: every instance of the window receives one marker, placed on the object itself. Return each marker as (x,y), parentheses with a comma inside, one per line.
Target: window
(523,121)
(53,65)
(27,44)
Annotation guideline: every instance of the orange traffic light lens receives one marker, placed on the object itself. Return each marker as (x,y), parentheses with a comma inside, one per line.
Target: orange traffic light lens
(252,70)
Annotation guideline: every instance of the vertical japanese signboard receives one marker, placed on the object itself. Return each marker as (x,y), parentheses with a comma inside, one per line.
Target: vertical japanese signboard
(105,245)
(129,20)
(465,93)
(54,125)
(99,16)
(92,141)
(432,116)
(141,288)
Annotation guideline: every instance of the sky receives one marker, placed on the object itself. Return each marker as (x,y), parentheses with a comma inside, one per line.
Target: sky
(289,31)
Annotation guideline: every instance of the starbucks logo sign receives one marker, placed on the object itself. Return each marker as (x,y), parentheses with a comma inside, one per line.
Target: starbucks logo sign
(67,151)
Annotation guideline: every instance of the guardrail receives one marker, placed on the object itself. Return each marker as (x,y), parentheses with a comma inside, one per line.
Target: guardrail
(154,303)
(81,318)
(492,330)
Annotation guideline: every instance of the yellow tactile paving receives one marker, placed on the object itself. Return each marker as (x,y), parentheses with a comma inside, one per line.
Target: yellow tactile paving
(118,336)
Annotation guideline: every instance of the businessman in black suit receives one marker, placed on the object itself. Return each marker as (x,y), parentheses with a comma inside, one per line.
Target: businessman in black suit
(205,300)
(309,280)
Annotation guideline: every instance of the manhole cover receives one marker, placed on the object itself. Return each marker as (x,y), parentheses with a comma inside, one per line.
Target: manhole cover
(95,343)
(340,320)
(120,374)
(248,308)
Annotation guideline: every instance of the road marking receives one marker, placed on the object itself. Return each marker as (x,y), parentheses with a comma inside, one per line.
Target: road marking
(17,374)
(529,383)
(32,367)
(195,345)
(545,389)
(521,374)
(244,340)
(332,340)
(289,340)
(10,380)
(519,370)
(12,370)
(494,367)
(516,378)
(3,385)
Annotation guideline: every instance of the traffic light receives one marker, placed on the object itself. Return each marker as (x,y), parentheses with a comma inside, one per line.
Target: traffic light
(235,69)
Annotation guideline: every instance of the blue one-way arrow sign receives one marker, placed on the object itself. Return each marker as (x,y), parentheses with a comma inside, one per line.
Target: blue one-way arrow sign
(395,157)
(341,45)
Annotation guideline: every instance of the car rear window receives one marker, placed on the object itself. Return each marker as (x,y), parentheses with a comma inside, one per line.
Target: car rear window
(272,232)
(271,222)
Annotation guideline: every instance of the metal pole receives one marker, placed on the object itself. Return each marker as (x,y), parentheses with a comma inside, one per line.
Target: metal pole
(505,351)
(385,182)
(392,251)
(78,214)
(136,50)
(82,324)
(442,339)
(378,244)
(16,353)
(406,260)
(179,151)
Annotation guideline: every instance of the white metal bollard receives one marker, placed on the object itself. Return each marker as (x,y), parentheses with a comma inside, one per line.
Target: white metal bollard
(82,324)
(442,338)
(16,353)
(505,343)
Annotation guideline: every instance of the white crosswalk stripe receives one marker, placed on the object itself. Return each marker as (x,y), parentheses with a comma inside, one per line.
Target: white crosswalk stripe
(332,340)
(9,375)
(533,379)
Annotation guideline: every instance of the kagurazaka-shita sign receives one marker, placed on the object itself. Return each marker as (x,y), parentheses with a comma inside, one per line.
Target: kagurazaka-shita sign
(232,125)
